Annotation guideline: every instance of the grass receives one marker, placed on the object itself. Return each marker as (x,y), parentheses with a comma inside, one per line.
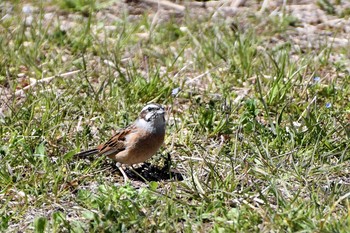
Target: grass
(259,131)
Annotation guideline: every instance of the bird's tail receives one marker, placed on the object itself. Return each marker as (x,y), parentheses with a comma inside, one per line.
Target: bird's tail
(87,153)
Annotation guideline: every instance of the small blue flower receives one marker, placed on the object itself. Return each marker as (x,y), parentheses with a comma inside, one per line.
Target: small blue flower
(27,9)
(175,91)
(328,105)
(317,79)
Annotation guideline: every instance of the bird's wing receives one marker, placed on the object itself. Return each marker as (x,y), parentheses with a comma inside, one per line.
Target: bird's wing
(116,143)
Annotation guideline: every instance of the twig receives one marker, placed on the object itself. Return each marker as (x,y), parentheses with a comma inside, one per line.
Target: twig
(201,75)
(307,108)
(213,4)
(198,77)
(78,128)
(45,80)
(166,4)
(206,4)
(264,5)
(182,69)
(237,3)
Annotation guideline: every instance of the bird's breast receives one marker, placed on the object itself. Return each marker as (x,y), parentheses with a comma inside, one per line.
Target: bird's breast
(140,147)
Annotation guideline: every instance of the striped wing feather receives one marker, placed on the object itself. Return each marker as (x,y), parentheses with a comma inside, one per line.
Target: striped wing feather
(115,144)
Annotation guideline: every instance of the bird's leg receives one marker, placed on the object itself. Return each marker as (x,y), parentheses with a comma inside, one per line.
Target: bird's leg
(126,178)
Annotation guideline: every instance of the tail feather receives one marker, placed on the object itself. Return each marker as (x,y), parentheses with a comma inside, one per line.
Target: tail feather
(87,153)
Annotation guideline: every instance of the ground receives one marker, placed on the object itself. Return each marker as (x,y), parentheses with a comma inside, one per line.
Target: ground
(258,115)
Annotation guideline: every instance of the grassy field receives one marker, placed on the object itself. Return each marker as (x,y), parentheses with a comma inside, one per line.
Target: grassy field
(257,119)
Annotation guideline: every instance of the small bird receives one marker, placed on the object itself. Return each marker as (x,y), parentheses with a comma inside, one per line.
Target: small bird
(137,142)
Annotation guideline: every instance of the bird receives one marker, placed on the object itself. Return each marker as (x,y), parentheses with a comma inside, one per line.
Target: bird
(137,142)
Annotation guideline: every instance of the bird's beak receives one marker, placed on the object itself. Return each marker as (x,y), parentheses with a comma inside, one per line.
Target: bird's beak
(161,111)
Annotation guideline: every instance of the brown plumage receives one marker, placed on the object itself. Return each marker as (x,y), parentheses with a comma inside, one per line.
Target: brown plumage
(137,142)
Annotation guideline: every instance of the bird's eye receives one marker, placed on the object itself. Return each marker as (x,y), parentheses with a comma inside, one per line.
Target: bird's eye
(149,109)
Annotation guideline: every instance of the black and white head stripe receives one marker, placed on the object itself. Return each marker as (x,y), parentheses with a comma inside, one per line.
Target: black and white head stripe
(151,111)
(152,107)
